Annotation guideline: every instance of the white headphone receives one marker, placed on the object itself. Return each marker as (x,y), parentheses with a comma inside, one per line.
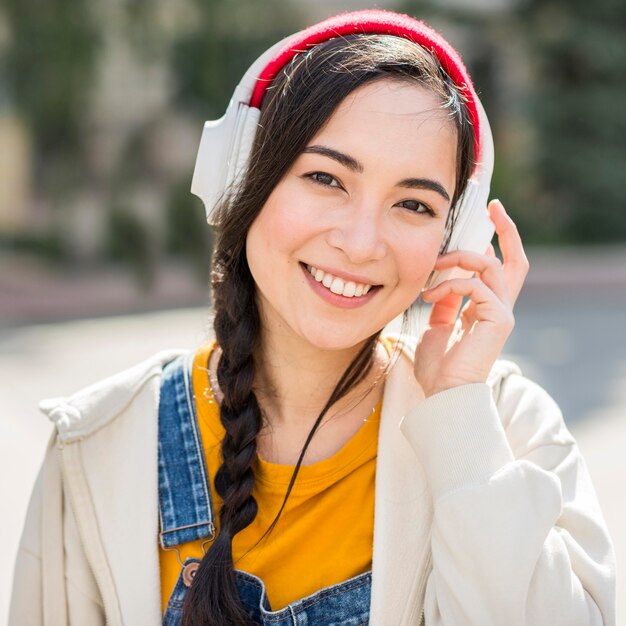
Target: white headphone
(226,144)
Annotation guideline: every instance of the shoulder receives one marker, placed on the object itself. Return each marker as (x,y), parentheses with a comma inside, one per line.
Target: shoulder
(89,409)
(530,416)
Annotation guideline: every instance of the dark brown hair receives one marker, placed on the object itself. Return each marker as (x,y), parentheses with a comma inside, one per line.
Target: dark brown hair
(297,104)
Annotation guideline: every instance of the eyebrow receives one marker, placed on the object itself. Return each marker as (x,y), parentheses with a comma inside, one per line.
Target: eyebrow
(425,183)
(340,157)
(352,164)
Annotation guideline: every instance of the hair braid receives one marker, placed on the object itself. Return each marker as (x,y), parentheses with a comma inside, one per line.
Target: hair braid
(213,599)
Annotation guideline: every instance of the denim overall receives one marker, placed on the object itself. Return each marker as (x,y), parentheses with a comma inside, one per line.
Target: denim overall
(186,514)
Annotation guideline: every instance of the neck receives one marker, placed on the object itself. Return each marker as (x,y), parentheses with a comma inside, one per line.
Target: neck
(295,381)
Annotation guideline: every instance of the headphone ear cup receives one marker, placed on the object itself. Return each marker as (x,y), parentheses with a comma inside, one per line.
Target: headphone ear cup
(246,126)
(226,143)
(223,154)
(210,171)
(472,230)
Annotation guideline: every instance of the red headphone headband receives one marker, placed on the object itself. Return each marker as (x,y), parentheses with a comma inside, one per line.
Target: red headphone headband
(384,23)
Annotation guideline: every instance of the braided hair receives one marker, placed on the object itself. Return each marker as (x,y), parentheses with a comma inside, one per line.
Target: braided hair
(297,104)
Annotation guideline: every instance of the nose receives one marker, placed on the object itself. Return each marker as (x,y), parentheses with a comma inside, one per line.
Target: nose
(358,234)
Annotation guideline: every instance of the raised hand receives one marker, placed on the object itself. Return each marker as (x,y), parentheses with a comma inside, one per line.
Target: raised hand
(460,349)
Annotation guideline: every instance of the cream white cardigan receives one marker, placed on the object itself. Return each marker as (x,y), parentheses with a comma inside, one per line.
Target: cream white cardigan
(485,513)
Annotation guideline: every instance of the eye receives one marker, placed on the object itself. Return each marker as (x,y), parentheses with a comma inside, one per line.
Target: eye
(417,207)
(324,179)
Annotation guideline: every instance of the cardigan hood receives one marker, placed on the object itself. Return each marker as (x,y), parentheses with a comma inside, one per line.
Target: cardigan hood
(89,409)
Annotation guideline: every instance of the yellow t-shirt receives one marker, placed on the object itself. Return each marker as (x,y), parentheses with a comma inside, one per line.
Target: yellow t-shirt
(325,532)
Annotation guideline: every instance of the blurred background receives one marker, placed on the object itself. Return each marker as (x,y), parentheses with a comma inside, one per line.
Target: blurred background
(104,253)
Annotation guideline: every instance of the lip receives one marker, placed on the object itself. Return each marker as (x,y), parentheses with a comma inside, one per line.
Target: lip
(335,299)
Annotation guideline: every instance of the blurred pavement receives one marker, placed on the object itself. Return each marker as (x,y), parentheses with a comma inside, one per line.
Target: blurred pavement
(569,337)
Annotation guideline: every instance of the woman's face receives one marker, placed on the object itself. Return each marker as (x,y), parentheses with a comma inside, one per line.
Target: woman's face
(349,236)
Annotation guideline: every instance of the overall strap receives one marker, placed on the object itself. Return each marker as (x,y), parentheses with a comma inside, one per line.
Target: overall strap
(185,508)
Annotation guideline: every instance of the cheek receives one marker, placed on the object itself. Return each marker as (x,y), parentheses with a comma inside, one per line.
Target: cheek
(279,229)
(284,222)
(417,254)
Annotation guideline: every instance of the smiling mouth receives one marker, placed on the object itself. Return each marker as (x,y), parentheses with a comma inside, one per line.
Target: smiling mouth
(348,289)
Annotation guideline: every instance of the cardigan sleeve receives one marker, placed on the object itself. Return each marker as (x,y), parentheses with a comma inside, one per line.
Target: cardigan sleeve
(38,594)
(52,583)
(26,605)
(518,537)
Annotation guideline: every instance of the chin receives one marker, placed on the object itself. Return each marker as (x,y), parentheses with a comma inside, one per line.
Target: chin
(335,337)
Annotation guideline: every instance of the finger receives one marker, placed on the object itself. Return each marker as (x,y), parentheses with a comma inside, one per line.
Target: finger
(489,269)
(488,306)
(515,262)
(445,310)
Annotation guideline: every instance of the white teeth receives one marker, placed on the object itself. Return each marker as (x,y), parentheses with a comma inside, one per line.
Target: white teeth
(349,290)
(338,285)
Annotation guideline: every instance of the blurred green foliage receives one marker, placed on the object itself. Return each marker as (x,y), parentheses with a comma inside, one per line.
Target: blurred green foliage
(577,108)
(49,246)
(187,233)
(49,66)
(208,62)
(128,241)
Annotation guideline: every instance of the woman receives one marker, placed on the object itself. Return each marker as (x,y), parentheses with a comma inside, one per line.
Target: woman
(303,468)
